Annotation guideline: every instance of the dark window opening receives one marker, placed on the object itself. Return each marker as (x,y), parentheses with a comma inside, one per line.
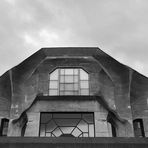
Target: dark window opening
(113,125)
(138,128)
(113,131)
(4,127)
(67,125)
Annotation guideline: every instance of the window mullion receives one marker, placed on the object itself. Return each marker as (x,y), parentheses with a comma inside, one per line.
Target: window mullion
(79,81)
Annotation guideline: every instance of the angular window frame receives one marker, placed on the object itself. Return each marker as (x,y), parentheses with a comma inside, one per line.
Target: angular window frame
(71,80)
(75,130)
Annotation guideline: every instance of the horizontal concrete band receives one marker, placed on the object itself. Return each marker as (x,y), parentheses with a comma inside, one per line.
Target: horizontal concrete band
(66,98)
(29,142)
(96,140)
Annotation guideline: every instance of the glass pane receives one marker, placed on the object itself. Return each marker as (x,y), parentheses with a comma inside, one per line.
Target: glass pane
(5,130)
(53,92)
(76,93)
(76,132)
(57,132)
(42,130)
(45,118)
(53,84)
(76,86)
(48,134)
(68,71)
(84,92)
(54,75)
(91,130)
(75,71)
(69,87)
(85,134)
(62,71)
(69,93)
(83,75)
(67,122)
(62,86)
(5,123)
(84,84)
(75,79)
(69,79)
(83,126)
(66,130)
(62,79)
(52,135)
(88,118)
(50,126)
(62,93)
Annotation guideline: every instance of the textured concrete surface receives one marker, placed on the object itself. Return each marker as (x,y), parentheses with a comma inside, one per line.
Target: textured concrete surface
(123,89)
(73,142)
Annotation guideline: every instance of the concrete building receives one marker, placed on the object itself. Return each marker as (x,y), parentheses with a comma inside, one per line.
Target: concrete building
(73,92)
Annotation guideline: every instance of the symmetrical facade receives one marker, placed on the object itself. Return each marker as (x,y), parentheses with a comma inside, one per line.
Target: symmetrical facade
(73,92)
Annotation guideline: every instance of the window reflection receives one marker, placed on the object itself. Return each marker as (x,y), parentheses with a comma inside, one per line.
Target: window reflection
(69,81)
(74,124)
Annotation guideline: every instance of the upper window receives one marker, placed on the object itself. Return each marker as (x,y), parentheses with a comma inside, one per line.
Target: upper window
(69,81)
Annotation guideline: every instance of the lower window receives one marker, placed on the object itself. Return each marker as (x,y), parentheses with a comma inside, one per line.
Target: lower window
(67,125)
(138,128)
(4,127)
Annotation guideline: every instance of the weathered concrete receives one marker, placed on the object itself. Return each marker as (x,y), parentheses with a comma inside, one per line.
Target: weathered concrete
(123,89)
(73,142)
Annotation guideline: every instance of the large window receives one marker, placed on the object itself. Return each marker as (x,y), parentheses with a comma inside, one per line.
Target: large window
(68,81)
(67,125)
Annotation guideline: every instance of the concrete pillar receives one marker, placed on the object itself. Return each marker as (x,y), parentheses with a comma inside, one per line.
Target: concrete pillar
(14,130)
(32,129)
(145,124)
(102,128)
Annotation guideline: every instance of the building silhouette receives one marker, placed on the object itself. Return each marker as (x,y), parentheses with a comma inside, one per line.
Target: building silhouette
(73,92)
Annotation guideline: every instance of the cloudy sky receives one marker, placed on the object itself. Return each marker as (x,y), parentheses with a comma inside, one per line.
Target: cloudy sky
(118,27)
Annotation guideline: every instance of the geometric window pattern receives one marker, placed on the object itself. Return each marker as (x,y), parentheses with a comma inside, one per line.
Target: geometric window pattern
(67,125)
(68,81)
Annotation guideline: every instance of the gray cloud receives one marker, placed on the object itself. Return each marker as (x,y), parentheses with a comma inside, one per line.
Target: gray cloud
(116,26)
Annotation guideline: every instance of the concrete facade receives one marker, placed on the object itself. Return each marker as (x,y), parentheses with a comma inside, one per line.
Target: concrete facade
(115,91)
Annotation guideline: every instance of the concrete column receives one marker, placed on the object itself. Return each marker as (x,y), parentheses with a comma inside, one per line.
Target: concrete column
(14,130)
(101,126)
(32,129)
(145,124)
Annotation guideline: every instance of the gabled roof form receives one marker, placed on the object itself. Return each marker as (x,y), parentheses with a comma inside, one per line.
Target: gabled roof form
(132,85)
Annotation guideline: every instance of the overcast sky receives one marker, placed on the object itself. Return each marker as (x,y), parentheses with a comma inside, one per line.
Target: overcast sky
(118,27)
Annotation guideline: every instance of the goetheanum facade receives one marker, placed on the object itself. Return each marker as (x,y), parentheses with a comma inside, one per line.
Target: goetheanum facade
(73,92)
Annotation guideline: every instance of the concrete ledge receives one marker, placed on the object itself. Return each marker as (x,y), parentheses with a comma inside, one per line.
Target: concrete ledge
(66,98)
(35,142)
